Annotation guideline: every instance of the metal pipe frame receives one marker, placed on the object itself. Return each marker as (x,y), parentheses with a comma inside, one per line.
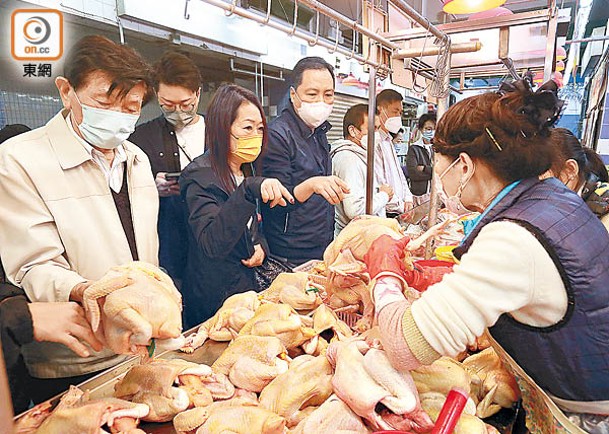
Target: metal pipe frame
(433,199)
(585,40)
(331,13)
(551,44)
(464,47)
(428,27)
(233,68)
(370,147)
(231,8)
(524,18)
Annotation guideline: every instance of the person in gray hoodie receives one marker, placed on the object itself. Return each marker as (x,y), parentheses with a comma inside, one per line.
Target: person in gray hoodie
(349,164)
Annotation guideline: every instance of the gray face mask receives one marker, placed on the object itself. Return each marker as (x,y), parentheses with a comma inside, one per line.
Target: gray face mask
(178,118)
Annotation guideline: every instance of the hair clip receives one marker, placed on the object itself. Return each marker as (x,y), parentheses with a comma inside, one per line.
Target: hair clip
(493,139)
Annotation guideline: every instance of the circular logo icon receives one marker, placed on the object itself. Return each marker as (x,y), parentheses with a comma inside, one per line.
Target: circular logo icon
(36,30)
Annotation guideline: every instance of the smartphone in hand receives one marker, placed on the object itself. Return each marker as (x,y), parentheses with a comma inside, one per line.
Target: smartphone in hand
(172,176)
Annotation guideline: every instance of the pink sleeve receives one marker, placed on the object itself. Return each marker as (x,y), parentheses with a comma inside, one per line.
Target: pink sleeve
(392,336)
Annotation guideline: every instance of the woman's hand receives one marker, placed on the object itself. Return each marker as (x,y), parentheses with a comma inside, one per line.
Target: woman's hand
(273,191)
(64,323)
(257,258)
(387,189)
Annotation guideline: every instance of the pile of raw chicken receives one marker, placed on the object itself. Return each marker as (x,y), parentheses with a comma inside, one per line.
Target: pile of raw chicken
(292,366)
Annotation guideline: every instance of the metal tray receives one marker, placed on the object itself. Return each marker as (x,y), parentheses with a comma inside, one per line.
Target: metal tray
(102,385)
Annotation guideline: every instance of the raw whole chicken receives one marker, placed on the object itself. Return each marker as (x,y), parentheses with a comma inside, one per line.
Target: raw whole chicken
(252,362)
(308,382)
(243,420)
(77,414)
(292,289)
(171,386)
(188,421)
(441,376)
(225,325)
(140,303)
(333,416)
(281,321)
(364,378)
(348,281)
(492,384)
(359,235)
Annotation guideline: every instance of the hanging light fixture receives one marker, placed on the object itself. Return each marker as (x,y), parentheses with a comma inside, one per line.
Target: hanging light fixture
(561,53)
(470,6)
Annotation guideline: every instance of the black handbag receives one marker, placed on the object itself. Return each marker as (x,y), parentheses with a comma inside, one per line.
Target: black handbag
(269,270)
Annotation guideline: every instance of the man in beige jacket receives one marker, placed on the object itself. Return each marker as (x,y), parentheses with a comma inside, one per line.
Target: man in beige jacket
(77,198)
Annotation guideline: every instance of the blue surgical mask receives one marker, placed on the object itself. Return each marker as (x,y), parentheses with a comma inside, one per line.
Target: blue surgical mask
(428,134)
(103,128)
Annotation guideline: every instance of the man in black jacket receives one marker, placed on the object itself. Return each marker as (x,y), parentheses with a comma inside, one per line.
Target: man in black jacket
(420,159)
(172,141)
(297,155)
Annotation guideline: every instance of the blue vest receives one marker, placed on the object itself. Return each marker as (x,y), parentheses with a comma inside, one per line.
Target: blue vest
(570,359)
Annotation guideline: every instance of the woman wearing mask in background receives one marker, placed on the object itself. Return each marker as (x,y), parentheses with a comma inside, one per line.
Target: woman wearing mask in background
(533,269)
(582,170)
(223,195)
(420,158)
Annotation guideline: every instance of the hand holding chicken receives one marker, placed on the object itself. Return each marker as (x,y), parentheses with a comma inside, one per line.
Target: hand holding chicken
(132,305)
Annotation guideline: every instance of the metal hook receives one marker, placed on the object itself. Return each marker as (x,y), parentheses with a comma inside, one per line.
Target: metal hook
(232,9)
(312,44)
(186,14)
(268,12)
(353,43)
(295,18)
(333,50)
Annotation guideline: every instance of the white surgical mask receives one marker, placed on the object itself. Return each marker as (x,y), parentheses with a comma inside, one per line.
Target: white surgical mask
(313,113)
(428,134)
(453,203)
(393,124)
(104,128)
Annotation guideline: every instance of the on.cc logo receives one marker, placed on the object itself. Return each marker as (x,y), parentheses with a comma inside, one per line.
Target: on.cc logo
(36,34)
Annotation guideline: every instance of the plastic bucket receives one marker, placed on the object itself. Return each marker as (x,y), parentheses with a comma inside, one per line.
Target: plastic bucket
(434,263)
(445,253)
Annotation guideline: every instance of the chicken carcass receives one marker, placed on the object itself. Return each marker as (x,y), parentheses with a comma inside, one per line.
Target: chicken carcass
(188,421)
(170,386)
(279,320)
(252,362)
(493,385)
(441,376)
(242,420)
(308,382)
(225,325)
(292,289)
(77,414)
(359,235)
(140,303)
(333,416)
(364,378)
(348,281)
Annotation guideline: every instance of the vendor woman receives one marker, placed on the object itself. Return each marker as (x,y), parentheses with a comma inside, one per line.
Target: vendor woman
(534,269)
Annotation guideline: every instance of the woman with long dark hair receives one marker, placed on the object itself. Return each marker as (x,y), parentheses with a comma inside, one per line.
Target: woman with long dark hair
(223,197)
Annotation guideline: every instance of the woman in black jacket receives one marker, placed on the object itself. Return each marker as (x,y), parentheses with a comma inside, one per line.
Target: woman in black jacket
(419,160)
(224,204)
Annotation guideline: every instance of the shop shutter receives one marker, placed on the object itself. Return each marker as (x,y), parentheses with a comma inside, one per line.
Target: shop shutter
(342,103)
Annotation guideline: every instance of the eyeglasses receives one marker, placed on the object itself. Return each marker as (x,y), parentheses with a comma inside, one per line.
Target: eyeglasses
(185,107)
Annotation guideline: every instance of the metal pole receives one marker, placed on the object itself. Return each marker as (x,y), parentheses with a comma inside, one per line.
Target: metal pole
(329,12)
(551,44)
(584,40)
(232,9)
(464,47)
(371,145)
(433,200)
(417,17)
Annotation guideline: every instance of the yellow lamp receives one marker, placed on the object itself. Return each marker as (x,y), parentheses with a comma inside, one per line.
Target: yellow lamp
(470,6)
(561,53)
